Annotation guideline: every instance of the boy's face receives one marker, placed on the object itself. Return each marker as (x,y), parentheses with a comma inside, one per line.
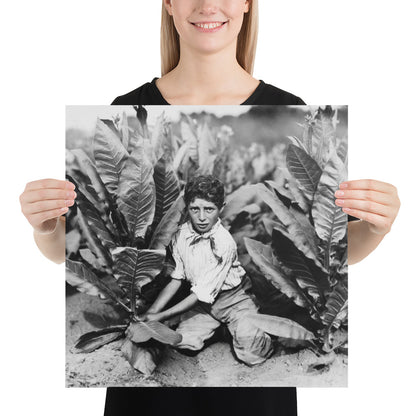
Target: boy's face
(203,214)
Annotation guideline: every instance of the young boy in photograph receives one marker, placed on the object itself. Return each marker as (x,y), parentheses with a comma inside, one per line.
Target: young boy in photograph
(206,255)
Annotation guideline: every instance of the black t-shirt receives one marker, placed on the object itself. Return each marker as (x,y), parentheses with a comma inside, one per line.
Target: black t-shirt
(201,401)
(264,94)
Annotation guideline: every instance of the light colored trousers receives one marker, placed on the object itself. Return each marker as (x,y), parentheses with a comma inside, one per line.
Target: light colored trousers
(251,345)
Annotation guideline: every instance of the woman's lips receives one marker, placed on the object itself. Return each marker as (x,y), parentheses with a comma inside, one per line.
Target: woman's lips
(209,27)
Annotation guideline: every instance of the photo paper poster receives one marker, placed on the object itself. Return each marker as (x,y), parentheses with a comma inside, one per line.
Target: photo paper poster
(205,248)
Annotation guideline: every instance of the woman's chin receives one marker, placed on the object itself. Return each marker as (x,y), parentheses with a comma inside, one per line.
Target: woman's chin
(200,44)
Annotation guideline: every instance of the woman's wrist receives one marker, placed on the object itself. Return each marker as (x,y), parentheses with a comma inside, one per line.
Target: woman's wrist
(52,245)
(50,231)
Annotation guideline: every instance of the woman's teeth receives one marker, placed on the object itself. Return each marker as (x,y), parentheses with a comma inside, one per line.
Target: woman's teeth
(208,25)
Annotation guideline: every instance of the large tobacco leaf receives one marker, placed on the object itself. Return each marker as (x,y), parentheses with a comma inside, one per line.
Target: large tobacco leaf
(323,133)
(284,184)
(304,169)
(158,136)
(87,166)
(109,290)
(180,156)
(134,268)
(143,358)
(308,136)
(124,130)
(168,225)
(263,258)
(271,225)
(143,331)
(94,243)
(110,156)
(88,256)
(96,222)
(310,278)
(342,149)
(207,147)
(299,143)
(329,220)
(300,230)
(90,184)
(189,136)
(136,193)
(95,339)
(82,285)
(207,166)
(167,187)
(236,201)
(336,306)
(72,242)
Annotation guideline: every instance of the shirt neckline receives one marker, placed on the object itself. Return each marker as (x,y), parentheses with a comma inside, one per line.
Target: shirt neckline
(250,100)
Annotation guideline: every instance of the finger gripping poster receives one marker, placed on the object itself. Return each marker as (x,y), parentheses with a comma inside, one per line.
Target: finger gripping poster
(205,247)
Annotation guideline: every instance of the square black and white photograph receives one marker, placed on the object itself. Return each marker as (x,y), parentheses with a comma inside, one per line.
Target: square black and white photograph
(205,247)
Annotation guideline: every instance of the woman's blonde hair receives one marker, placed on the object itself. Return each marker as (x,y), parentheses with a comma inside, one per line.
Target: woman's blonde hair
(246,42)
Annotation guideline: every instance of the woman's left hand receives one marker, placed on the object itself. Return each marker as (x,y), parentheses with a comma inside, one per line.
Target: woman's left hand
(373,201)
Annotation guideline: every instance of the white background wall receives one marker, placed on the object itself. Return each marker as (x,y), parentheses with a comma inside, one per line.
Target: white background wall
(328,52)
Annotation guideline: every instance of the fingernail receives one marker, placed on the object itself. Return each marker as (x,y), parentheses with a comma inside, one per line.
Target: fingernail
(69,185)
(339,193)
(64,209)
(339,201)
(346,209)
(69,202)
(343,185)
(70,195)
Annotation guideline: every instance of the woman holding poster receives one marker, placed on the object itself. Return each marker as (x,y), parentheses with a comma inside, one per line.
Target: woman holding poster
(208,50)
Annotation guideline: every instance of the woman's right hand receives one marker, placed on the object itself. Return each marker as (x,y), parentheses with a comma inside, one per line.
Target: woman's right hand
(44,201)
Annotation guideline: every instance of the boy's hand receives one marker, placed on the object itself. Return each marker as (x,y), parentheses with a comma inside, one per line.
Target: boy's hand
(375,202)
(150,317)
(44,201)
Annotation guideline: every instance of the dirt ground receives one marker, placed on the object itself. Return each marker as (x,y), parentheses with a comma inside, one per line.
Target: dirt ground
(213,366)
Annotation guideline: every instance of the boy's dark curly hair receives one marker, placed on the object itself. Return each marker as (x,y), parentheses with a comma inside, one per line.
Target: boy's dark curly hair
(206,187)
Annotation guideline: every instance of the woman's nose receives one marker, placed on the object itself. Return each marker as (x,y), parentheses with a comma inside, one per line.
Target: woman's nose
(209,6)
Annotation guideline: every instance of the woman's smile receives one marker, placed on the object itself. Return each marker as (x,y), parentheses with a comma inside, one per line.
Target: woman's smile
(208,27)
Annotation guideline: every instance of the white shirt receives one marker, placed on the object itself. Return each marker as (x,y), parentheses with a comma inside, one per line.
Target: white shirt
(208,261)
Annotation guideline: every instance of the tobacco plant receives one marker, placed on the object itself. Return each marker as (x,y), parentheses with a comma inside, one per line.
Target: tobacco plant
(305,254)
(127,208)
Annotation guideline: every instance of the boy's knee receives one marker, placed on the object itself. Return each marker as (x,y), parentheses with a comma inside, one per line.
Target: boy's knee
(249,358)
(189,342)
(251,345)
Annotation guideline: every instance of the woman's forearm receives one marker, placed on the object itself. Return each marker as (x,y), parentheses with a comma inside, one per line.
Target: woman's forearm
(361,241)
(52,245)
(165,296)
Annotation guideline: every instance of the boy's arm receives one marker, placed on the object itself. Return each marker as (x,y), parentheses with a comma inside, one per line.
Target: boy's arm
(165,296)
(377,204)
(184,305)
(171,288)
